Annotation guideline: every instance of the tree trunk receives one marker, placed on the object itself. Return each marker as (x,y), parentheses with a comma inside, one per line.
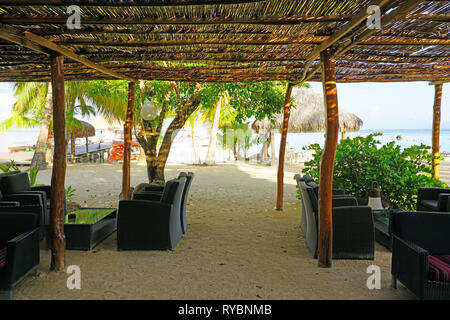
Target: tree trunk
(273,156)
(141,159)
(49,151)
(194,148)
(59,165)
(171,132)
(343,135)
(72,149)
(39,154)
(280,175)
(436,129)
(127,131)
(211,154)
(264,149)
(325,237)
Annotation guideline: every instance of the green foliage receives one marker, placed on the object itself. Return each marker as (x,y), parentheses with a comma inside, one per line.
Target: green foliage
(360,161)
(70,192)
(33,175)
(12,166)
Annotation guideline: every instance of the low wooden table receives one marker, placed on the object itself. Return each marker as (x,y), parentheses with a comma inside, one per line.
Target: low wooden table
(87,227)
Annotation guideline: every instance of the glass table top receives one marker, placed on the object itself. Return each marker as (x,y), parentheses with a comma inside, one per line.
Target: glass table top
(88,215)
(382,216)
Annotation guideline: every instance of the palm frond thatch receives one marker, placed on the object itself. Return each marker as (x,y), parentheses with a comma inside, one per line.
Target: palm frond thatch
(308,115)
(86,130)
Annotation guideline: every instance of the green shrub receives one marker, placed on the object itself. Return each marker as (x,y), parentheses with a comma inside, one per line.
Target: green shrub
(360,161)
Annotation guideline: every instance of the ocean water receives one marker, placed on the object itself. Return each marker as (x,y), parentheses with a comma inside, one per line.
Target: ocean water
(182,151)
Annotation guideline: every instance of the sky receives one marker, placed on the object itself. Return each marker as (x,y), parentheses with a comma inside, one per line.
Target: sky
(405,105)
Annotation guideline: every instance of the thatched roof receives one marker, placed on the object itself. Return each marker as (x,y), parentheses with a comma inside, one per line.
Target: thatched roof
(87,130)
(308,115)
(227,41)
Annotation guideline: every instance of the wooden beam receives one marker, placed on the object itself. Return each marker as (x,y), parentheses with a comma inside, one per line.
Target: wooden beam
(72,55)
(127,133)
(436,129)
(58,238)
(325,237)
(396,14)
(263,20)
(433,83)
(170,43)
(42,45)
(126,3)
(342,32)
(280,175)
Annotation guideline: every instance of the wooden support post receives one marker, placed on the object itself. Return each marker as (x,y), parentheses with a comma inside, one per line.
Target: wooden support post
(58,242)
(436,129)
(127,133)
(87,149)
(325,238)
(280,178)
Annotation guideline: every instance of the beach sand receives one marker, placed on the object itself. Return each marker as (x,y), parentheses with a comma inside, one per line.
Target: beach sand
(236,247)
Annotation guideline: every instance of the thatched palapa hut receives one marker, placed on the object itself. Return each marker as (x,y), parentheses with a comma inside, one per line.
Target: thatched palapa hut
(86,130)
(308,115)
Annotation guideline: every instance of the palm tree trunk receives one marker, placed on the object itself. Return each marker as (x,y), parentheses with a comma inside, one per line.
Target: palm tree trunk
(273,155)
(211,155)
(39,154)
(194,148)
(49,152)
(72,149)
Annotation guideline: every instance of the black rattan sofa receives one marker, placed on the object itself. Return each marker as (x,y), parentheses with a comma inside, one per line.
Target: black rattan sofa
(19,249)
(433,199)
(155,194)
(31,203)
(353,228)
(419,238)
(19,183)
(151,225)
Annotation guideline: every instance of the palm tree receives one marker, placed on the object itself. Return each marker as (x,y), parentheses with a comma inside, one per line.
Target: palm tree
(32,108)
(192,120)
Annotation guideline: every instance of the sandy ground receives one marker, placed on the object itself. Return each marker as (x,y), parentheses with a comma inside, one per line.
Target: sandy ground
(236,247)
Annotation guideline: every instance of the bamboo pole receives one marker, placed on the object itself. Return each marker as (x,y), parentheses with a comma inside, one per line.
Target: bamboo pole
(325,238)
(127,132)
(436,128)
(280,177)
(58,242)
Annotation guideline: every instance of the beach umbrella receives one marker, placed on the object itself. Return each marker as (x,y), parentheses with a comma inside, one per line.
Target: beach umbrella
(308,115)
(86,130)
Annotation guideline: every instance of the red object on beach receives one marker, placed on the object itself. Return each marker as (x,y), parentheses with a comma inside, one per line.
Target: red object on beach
(117,151)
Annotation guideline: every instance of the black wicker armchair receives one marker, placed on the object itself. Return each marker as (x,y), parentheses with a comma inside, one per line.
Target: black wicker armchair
(19,249)
(151,225)
(337,193)
(433,199)
(353,228)
(421,253)
(156,196)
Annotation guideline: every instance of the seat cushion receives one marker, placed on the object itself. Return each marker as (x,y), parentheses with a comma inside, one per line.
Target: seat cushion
(431,204)
(439,268)
(2,257)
